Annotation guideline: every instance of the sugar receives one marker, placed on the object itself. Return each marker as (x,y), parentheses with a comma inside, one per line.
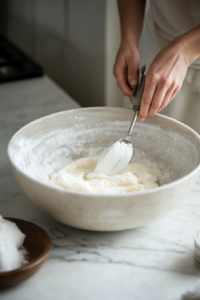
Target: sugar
(11,240)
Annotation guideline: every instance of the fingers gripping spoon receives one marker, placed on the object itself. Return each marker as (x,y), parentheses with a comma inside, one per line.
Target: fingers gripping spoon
(118,156)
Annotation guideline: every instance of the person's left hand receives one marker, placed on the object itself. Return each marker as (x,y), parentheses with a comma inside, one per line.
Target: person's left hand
(164,79)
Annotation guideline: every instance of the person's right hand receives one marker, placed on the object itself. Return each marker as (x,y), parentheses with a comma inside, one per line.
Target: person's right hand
(126,65)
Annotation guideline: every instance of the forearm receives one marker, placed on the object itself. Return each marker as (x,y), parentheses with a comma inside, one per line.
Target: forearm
(131,19)
(189,42)
(167,72)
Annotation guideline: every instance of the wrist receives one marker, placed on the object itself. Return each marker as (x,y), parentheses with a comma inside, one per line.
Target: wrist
(189,45)
(178,46)
(129,38)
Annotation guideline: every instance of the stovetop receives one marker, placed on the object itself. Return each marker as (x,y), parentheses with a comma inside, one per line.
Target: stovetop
(15,64)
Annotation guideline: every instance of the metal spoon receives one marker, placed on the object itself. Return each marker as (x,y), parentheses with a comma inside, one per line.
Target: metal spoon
(110,164)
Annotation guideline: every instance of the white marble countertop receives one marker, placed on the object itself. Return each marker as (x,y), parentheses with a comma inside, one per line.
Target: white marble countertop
(152,262)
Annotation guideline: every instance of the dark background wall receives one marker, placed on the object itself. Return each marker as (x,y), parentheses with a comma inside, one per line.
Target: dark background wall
(67,37)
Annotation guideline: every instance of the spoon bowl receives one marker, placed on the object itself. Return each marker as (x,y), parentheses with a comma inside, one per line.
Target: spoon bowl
(115,158)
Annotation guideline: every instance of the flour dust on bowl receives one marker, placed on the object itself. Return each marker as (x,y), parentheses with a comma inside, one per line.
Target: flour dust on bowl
(46,145)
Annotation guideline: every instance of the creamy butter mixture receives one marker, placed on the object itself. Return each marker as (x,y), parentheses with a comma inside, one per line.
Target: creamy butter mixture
(80,176)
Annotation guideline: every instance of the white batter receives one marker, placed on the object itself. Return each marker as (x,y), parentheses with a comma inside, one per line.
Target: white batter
(80,176)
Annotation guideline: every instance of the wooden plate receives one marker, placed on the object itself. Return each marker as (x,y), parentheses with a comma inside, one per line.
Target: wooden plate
(38,245)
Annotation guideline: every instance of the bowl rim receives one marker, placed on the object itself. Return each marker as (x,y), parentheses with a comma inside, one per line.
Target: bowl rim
(111,195)
(34,262)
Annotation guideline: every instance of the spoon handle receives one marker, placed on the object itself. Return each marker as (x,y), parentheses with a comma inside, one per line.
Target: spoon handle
(132,125)
(137,93)
(136,98)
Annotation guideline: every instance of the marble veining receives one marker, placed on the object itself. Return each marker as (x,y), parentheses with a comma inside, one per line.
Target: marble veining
(151,262)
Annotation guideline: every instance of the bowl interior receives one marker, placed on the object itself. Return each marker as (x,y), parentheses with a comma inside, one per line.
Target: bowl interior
(50,143)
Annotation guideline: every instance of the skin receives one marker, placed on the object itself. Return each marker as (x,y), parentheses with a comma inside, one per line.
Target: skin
(166,73)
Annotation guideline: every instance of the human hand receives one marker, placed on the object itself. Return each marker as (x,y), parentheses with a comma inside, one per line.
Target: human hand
(126,66)
(164,79)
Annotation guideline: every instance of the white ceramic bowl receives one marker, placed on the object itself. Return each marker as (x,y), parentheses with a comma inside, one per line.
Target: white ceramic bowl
(50,143)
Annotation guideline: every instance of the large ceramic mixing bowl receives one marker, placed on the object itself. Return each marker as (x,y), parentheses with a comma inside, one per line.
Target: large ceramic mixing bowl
(50,143)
